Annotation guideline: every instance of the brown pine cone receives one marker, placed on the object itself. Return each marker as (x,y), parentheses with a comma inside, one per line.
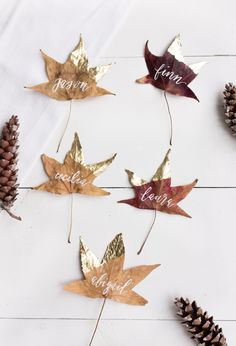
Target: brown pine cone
(199,324)
(230,106)
(8,161)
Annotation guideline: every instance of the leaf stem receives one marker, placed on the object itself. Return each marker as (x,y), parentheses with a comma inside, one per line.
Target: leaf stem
(71,218)
(63,133)
(98,320)
(149,231)
(170,117)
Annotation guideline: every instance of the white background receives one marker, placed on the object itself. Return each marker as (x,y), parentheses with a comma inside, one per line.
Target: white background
(197,255)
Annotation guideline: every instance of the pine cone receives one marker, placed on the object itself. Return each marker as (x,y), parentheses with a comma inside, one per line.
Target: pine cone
(203,329)
(230,106)
(8,160)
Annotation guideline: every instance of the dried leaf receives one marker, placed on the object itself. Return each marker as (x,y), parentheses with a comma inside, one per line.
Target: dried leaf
(169,72)
(74,175)
(74,79)
(158,194)
(108,279)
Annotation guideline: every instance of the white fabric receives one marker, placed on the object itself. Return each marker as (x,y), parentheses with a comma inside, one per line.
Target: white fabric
(54,26)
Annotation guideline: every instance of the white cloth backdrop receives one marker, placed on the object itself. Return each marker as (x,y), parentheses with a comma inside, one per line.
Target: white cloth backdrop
(54,26)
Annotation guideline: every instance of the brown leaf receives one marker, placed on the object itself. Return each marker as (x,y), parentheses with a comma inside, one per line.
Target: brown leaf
(169,72)
(108,279)
(73,176)
(74,79)
(158,194)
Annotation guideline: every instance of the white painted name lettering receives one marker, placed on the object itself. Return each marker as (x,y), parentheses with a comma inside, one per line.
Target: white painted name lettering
(160,199)
(164,71)
(107,285)
(60,83)
(73,179)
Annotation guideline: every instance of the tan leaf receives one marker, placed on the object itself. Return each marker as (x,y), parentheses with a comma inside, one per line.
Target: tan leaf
(74,79)
(73,176)
(109,279)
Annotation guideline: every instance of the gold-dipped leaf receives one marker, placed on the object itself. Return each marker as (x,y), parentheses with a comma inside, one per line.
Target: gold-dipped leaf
(169,72)
(110,280)
(73,175)
(73,79)
(158,194)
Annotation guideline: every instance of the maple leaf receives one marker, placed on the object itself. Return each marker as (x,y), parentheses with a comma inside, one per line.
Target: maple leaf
(158,194)
(169,72)
(74,79)
(108,279)
(74,175)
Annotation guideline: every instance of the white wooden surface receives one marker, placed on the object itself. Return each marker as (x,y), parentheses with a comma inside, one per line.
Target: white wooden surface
(197,255)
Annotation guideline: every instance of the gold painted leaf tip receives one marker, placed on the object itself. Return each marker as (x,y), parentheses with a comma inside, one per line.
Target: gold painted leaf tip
(113,157)
(76,136)
(88,260)
(142,80)
(168,153)
(134,179)
(130,174)
(163,171)
(115,249)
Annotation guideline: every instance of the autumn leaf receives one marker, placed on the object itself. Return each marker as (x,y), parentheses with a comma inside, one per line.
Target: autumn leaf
(73,175)
(74,79)
(158,194)
(108,279)
(169,72)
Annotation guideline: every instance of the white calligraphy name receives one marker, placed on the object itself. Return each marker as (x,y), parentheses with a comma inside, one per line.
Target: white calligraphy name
(60,83)
(103,281)
(160,199)
(73,179)
(164,72)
